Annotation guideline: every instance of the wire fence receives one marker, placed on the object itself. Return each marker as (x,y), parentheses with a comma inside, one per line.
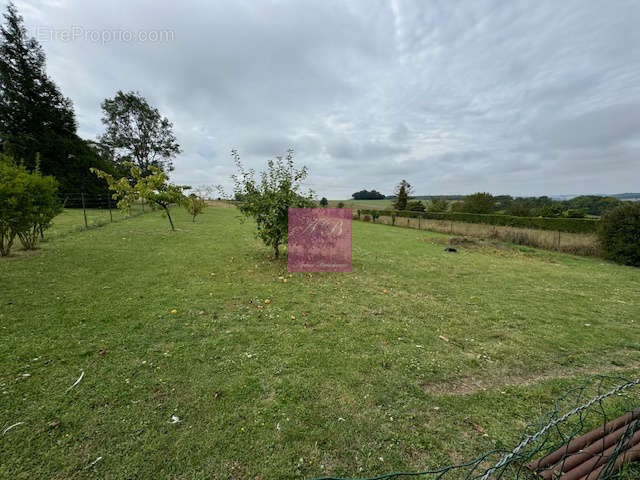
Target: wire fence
(592,433)
(83,211)
(574,243)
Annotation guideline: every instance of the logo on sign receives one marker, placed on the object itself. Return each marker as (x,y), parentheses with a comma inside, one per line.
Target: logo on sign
(319,240)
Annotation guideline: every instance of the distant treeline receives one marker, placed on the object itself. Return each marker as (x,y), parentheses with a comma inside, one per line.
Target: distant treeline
(544,206)
(368,195)
(431,197)
(547,207)
(627,196)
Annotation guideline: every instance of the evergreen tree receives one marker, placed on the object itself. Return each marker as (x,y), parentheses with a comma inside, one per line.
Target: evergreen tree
(403,192)
(36,120)
(31,106)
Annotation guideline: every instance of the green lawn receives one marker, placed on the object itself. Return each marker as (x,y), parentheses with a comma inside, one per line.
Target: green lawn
(332,376)
(71,220)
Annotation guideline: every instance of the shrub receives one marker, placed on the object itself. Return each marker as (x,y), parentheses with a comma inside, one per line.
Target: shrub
(28,203)
(575,213)
(340,204)
(324,202)
(375,214)
(438,205)
(620,234)
(415,206)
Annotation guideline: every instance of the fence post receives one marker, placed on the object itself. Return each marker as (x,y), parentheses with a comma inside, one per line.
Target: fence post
(84,211)
(109,205)
(558,239)
(419,223)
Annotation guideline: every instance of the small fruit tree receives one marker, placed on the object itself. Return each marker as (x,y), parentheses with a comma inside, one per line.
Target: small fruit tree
(268,199)
(154,188)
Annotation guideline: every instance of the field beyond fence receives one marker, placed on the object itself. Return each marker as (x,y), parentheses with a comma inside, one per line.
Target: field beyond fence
(83,211)
(567,242)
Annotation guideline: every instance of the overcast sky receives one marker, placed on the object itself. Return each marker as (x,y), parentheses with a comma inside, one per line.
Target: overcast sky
(516,97)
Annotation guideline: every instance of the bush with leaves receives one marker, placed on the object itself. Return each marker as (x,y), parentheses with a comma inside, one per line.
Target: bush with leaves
(324,202)
(28,203)
(415,206)
(480,202)
(154,188)
(267,200)
(620,234)
(438,205)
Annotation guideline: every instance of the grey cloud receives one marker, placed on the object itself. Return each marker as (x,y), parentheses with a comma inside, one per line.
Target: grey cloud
(510,97)
(593,129)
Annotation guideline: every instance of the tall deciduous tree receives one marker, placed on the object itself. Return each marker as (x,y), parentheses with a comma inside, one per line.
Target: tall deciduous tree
(268,199)
(36,120)
(136,132)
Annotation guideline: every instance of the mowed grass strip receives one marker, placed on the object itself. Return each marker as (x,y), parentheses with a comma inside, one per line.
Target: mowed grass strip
(331,376)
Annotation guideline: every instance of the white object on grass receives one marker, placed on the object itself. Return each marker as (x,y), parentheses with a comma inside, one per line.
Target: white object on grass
(10,427)
(76,382)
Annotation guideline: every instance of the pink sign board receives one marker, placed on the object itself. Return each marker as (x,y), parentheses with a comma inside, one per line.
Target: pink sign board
(319,240)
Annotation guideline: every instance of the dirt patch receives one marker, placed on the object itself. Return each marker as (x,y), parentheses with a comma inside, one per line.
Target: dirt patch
(511,378)
(470,242)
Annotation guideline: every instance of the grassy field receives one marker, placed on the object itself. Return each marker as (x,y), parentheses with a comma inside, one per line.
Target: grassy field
(363,204)
(419,358)
(71,220)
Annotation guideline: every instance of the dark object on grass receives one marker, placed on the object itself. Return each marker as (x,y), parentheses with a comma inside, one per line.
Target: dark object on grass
(584,458)
(449,249)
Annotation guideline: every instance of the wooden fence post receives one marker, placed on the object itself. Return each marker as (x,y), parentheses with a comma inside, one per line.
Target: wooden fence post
(84,210)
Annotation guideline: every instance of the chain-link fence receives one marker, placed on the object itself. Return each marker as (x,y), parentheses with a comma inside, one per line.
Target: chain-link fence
(592,433)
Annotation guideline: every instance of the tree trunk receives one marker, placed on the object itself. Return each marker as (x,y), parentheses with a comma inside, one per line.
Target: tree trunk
(166,209)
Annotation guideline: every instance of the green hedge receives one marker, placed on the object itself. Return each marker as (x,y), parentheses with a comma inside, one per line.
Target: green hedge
(573,225)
